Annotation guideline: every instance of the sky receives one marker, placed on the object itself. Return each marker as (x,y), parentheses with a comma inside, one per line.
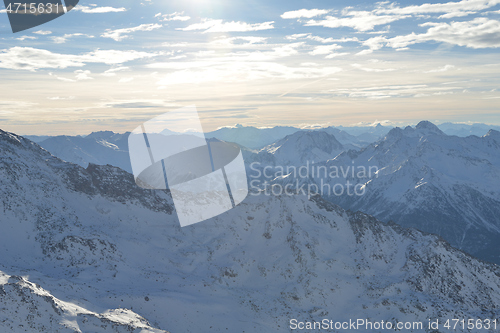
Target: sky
(113,65)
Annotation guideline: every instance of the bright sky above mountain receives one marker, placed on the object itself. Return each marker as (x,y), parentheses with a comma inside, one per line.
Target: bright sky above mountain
(115,64)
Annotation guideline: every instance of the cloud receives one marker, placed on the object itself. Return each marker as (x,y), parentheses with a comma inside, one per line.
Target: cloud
(442,69)
(387,12)
(59,98)
(324,49)
(478,33)
(358,20)
(244,72)
(83,75)
(26,37)
(447,7)
(120,34)
(321,39)
(42,32)
(306,13)
(393,91)
(336,54)
(60,78)
(177,16)
(112,71)
(369,69)
(126,80)
(98,10)
(209,25)
(456,14)
(64,38)
(136,104)
(240,41)
(32,59)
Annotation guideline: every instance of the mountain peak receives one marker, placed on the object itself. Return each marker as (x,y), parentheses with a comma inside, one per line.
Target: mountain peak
(428,126)
(101,134)
(493,134)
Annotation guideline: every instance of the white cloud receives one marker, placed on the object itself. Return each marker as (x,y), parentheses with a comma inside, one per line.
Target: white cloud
(83,75)
(297,36)
(240,41)
(244,72)
(177,16)
(442,69)
(364,52)
(321,39)
(114,57)
(60,78)
(358,20)
(28,58)
(126,80)
(26,37)
(112,71)
(59,98)
(64,38)
(209,25)
(336,54)
(456,14)
(178,57)
(325,49)
(478,33)
(370,69)
(98,10)
(447,7)
(394,91)
(42,32)
(120,34)
(306,13)
(375,43)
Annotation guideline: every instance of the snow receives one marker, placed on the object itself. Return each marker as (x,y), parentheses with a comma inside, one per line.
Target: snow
(109,256)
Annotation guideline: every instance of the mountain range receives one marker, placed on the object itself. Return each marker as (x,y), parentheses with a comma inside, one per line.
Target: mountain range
(86,250)
(438,183)
(425,179)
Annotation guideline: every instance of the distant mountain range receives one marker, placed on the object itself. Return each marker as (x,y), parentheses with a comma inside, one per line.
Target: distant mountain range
(446,185)
(106,147)
(438,183)
(76,242)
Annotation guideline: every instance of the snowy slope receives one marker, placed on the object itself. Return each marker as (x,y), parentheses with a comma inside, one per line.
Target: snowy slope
(301,147)
(98,148)
(437,183)
(93,239)
(106,147)
(27,307)
(251,137)
(464,130)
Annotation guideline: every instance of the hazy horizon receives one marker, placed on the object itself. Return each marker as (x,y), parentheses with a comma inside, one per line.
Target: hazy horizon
(118,64)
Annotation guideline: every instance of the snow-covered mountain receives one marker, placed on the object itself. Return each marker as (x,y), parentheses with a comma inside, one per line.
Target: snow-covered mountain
(346,139)
(258,138)
(302,147)
(90,240)
(27,307)
(464,130)
(441,184)
(367,133)
(106,147)
(251,137)
(101,148)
